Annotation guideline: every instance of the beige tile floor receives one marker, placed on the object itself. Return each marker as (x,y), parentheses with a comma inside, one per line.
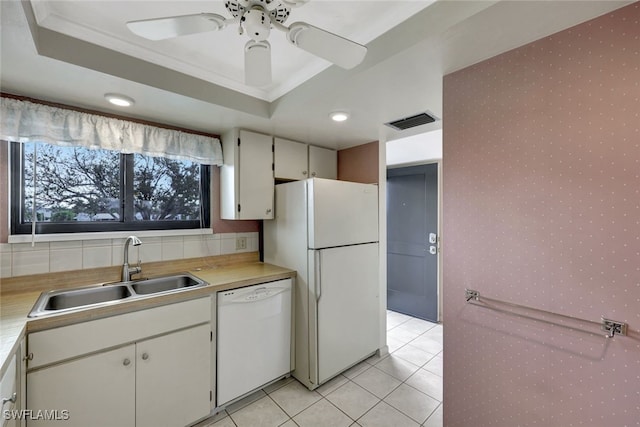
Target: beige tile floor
(401,389)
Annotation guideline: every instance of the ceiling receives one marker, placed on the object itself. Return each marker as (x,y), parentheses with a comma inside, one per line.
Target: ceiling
(74,52)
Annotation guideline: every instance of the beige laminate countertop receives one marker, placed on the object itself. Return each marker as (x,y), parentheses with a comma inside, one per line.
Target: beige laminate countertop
(14,308)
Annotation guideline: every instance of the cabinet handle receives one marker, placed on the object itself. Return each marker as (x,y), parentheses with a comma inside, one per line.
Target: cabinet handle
(145,356)
(313,174)
(268,211)
(126,362)
(304,172)
(11,399)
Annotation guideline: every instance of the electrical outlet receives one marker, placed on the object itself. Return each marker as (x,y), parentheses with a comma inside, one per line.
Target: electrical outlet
(241,243)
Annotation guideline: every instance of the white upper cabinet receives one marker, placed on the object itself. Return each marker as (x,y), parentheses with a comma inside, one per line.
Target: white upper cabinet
(290,159)
(246,177)
(323,163)
(296,160)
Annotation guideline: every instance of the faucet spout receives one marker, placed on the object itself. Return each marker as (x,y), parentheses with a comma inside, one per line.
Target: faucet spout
(126,270)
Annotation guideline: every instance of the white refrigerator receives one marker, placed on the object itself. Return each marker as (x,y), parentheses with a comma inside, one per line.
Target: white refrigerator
(327,231)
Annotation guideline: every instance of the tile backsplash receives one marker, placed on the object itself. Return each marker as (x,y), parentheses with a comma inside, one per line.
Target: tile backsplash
(20,259)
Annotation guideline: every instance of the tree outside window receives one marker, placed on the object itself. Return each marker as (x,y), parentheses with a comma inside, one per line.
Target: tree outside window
(100,190)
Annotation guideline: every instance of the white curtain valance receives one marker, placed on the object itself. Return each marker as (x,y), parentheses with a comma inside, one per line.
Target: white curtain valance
(24,121)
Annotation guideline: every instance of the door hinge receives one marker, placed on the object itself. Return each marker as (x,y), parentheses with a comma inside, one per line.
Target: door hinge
(211,336)
(273,167)
(238,207)
(273,148)
(238,142)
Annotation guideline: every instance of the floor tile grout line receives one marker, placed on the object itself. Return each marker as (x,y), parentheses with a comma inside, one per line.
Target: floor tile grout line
(335,406)
(379,399)
(307,407)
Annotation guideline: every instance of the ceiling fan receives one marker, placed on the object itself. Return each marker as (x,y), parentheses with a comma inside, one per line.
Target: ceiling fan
(255,19)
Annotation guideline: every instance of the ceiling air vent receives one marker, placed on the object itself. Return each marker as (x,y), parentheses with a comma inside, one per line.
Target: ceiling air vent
(411,122)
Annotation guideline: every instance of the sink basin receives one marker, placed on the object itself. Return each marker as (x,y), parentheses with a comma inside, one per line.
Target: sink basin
(72,299)
(164,284)
(56,301)
(82,297)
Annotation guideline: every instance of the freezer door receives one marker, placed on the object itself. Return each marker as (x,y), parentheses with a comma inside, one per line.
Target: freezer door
(341,213)
(344,307)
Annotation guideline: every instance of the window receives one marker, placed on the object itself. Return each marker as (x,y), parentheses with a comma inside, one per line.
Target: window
(78,189)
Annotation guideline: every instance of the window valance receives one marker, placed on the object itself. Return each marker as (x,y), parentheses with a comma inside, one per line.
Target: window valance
(25,121)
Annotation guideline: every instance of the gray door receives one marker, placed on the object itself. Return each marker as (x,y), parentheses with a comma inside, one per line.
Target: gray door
(412,221)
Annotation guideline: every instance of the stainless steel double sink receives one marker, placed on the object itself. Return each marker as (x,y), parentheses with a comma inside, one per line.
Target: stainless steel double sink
(65,300)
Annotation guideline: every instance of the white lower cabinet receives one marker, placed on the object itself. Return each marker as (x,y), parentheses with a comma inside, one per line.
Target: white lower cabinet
(164,380)
(173,378)
(96,390)
(12,386)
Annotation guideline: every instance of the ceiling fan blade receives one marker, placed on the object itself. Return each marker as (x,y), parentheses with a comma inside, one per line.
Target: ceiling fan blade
(257,63)
(174,26)
(338,50)
(294,3)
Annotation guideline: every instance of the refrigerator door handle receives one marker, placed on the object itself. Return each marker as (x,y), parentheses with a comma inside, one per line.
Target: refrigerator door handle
(318,284)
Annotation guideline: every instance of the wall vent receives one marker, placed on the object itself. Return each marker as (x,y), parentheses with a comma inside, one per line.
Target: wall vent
(412,121)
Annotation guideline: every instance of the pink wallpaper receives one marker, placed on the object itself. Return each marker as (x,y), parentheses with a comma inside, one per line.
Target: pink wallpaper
(541,176)
(359,163)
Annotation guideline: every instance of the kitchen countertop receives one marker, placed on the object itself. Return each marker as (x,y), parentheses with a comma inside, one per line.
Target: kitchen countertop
(14,323)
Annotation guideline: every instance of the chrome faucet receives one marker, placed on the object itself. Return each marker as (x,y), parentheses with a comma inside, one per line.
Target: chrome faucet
(126,270)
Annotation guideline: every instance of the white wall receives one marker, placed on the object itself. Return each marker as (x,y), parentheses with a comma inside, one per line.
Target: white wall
(416,149)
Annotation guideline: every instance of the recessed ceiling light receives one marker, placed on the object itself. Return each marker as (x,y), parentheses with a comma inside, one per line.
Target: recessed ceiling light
(119,100)
(339,116)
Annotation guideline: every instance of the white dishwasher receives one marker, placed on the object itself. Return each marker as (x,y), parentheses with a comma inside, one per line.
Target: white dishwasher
(253,338)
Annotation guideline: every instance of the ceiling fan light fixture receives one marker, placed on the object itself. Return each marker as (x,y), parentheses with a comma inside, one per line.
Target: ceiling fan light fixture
(339,116)
(119,100)
(257,24)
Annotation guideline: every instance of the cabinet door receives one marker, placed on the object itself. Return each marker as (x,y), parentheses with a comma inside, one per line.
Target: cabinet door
(290,159)
(173,384)
(255,176)
(96,391)
(9,389)
(21,366)
(323,163)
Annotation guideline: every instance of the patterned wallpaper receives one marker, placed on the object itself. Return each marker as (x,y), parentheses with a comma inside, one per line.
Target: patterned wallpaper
(359,163)
(541,176)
